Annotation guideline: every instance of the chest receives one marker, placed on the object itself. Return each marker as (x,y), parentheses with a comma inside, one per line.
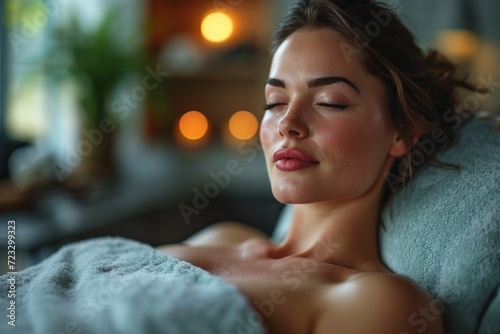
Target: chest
(286,294)
(281,307)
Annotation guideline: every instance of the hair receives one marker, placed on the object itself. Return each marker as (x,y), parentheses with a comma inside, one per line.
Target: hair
(420,88)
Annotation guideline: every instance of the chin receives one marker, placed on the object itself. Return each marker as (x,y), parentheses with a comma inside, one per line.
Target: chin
(295,197)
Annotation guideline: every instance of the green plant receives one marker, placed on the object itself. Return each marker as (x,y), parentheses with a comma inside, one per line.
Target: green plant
(97,59)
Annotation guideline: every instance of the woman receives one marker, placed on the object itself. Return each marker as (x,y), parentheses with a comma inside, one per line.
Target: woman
(348,96)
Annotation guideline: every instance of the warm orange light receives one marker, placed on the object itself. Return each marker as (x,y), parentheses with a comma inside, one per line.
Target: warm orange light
(216,27)
(243,125)
(458,43)
(193,125)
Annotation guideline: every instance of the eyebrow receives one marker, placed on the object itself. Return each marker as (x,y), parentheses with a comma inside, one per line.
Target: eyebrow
(276,82)
(315,83)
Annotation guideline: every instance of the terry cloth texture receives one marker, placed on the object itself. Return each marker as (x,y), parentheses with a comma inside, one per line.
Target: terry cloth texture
(446,233)
(114,285)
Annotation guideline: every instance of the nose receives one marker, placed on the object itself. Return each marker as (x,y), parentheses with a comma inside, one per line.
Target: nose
(293,124)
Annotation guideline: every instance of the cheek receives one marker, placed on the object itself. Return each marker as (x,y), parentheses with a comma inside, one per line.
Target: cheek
(339,137)
(268,130)
(356,145)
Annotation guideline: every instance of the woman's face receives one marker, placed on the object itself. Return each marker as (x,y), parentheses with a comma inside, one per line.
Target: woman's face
(325,133)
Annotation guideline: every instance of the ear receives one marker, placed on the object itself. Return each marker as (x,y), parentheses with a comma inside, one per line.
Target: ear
(399,147)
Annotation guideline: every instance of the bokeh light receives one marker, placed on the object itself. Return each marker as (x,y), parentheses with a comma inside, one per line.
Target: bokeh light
(193,125)
(243,125)
(217,27)
(461,44)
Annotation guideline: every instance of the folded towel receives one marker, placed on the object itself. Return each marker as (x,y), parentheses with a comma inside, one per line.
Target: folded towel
(114,285)
(446,232)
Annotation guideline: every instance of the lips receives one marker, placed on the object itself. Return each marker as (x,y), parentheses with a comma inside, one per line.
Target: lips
(292,159)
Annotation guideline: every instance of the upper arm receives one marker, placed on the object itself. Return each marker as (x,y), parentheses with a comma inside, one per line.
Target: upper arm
(380,305)
(223,234)
(214,240)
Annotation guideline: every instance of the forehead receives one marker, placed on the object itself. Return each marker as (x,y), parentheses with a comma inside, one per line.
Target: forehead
(315,53)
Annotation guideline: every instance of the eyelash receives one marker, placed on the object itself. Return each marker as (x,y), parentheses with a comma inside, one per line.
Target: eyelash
(272,105)
(327,105)
(333,106)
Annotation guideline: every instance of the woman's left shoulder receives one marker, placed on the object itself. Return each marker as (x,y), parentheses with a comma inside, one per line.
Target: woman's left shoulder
(397,285)
(383,303)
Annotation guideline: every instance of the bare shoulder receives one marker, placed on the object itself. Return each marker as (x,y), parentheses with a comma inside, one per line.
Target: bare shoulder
(222,234)
(225,241)
(379,303)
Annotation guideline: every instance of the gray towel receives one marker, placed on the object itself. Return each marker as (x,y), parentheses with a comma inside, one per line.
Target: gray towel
(446,233)
(114,285)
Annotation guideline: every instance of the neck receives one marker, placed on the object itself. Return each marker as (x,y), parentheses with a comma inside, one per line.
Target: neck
(342,233)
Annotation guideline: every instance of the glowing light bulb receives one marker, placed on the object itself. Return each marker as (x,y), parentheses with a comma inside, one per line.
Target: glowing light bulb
(458,43)
(217,27)
(193,125)
(243,125)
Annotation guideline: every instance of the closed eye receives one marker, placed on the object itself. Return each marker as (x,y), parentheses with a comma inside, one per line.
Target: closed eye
(334,106)
(272,105)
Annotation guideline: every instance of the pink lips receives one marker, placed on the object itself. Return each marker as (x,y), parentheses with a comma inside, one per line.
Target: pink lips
(292,159)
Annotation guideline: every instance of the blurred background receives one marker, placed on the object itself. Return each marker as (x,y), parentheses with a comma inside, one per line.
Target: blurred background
(139,118)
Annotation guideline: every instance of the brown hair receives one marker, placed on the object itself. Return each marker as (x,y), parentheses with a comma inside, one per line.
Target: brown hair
(420,88)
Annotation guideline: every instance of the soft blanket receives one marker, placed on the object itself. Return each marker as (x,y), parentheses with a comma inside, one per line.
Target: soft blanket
(114,285)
